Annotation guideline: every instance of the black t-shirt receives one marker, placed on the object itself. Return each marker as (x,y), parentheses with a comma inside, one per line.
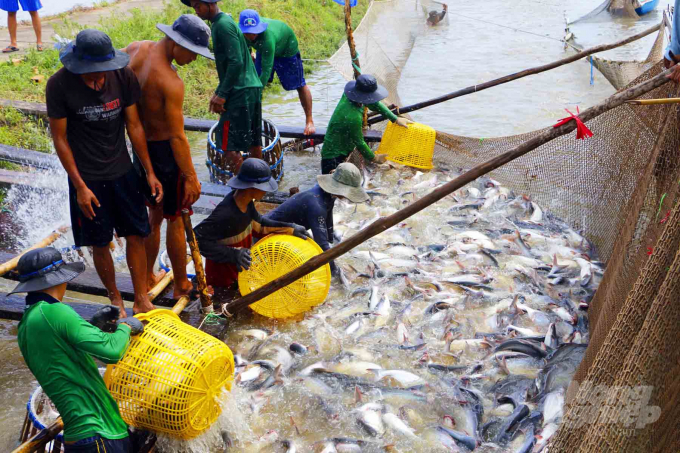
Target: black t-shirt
(95,120)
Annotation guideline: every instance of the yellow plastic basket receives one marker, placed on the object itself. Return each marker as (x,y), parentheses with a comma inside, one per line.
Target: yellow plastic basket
(274,256)
(170,377)
(412,146)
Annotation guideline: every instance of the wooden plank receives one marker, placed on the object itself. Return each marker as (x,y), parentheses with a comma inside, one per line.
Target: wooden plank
(12,307)
(89,283)
(195,124)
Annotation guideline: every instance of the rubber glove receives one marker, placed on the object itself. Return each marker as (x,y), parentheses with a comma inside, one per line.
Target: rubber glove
(299,231)
(243,259)
(403,122)
(105,318)
(136,326)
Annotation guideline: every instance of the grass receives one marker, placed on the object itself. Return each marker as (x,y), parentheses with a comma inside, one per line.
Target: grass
(17,129)
(319,25)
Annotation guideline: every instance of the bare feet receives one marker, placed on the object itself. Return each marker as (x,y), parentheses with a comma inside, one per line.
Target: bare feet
(182,289)
(310,128)
(155,279)
(142,306)
(119,303)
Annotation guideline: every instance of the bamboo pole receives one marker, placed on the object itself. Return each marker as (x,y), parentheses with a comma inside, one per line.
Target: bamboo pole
(12,264)
(206,300)
(654,101)
(41,438)
(350,40)
(181,305)
(384,223)
(517,75)
(160,286)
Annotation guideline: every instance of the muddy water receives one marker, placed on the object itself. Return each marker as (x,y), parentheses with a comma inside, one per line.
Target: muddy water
(448,57)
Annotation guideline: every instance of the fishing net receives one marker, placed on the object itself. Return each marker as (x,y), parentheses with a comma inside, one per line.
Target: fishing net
(625,8)
(621,73)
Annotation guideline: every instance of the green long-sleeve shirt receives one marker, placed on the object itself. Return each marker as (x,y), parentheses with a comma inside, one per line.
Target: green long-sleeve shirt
(235,67)
(278,40)
(58,346)
(344,131)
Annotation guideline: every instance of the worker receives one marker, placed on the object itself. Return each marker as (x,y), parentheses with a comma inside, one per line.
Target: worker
(313,208)
(435,17)
(160,109)
(277,51)
(225,237)
(91,101)
(238,97)
(59,346)
(672,54)
(344,131)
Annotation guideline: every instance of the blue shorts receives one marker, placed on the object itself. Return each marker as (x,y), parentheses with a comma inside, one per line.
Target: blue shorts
(12,6)
(289,69)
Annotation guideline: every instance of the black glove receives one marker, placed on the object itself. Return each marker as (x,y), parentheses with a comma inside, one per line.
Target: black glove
(335,271)
(299,231)
(105,318)
(136,326)
(243,259)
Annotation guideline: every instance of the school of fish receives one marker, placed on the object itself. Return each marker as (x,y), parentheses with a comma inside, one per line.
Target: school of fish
(458,330)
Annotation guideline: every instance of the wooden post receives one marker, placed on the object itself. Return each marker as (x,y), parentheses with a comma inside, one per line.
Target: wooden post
(12,264)
(41,438)
(356,66)
(160,286)
(384,223)
(206,300)
(518,75)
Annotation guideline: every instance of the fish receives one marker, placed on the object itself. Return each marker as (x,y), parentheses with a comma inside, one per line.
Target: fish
(397,425)
(401,376)
(383,311)
(375,298)
(520,345)
(370,420)
(460,438)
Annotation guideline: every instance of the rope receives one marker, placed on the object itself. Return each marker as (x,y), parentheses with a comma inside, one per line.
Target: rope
(511,28)
(356,58)
(210,319)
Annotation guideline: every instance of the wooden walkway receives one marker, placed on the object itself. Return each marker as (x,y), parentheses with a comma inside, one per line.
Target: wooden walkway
(12,307)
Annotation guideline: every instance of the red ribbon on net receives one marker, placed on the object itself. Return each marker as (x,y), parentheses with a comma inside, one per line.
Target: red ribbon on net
(582,131)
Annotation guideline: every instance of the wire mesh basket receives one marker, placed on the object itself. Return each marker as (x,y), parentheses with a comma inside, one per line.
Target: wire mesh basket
(272,153)
(171,377)
(274,256)
(412,146)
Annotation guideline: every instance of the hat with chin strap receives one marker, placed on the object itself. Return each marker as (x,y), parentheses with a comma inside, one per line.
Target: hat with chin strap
(44,268)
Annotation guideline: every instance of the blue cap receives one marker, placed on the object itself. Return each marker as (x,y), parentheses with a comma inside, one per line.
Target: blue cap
(249,22)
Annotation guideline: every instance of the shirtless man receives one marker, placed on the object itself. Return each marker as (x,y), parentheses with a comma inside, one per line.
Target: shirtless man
(163,121)
(435,17)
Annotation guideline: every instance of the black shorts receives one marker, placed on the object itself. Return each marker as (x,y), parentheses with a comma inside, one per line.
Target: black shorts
(98,444)
(121,208)
(168,173)
(328,165)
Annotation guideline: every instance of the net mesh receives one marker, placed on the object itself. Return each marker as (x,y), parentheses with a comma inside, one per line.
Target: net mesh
(625,8)
(620,187)
(621,73)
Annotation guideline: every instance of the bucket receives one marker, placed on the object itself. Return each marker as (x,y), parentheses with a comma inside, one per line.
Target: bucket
(272,153)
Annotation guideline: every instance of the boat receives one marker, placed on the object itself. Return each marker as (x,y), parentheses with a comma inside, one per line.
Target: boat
(645,7)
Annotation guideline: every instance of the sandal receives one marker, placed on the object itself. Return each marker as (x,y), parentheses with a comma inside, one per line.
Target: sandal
(10,49)
(40,47)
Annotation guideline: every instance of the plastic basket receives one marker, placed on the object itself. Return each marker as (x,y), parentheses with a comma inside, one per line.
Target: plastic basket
(412,146)
(170,377)
(272,153)
(274,256)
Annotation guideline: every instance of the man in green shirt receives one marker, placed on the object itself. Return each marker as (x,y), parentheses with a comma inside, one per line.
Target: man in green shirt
(58,346)
(277,51)
(344,131)
(238,97)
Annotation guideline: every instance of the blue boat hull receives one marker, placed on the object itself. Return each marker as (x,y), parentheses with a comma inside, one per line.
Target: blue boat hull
(647,8)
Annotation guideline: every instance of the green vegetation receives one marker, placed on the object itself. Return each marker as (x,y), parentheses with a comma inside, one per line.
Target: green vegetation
(319,25)
(16,129)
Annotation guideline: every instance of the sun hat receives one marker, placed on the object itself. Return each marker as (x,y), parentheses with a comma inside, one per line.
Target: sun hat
(365,90)
(190,32)
(249,22)
(188,2)
(92,51)
(345,181)
(44,268)
(254,173)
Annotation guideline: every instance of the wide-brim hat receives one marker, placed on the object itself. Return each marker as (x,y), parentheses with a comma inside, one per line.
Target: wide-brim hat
(254,173)
(92,51)
(345,182)
(177,33)
(365,90)
(188,2)
(44,268)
